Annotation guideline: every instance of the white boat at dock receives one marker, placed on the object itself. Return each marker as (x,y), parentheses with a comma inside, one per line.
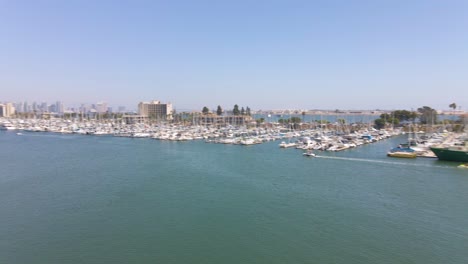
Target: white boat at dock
(283,144)
(7,126)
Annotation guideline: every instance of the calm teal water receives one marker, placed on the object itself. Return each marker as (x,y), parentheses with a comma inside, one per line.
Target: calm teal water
(83,199)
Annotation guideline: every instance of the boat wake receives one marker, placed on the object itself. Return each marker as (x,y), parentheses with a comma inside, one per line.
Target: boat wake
(383,161)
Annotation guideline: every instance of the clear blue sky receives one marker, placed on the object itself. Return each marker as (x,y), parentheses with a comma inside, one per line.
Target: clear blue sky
(263,54)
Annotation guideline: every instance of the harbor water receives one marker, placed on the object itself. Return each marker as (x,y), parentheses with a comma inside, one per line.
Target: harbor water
(91,199)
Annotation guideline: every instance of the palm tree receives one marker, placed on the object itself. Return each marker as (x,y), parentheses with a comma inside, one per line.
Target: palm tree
(453,106)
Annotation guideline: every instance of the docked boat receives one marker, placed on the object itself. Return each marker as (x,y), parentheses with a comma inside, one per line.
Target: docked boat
(287,145)
(7,126)
(452,153)
(402,154)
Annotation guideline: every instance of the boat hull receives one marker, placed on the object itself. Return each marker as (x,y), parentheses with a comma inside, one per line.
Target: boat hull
(450,154)
(402,154)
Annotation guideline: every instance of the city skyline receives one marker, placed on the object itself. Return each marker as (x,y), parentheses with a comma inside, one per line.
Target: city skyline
(103,107)
(265,55)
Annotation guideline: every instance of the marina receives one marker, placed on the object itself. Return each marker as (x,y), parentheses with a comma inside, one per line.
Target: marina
(329,137)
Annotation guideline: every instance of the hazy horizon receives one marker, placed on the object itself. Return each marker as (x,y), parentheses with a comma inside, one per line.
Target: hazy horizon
(350,55)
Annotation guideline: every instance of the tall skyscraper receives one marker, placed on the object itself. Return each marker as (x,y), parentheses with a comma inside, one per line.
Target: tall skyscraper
(59,107)
(101,107)
(52,108)
(19,107)
(26,107)
(44,107)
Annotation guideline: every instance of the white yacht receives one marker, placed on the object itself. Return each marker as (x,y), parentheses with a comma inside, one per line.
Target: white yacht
(7,126)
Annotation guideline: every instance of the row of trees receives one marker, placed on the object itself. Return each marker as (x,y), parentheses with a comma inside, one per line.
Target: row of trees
(426,115)
(292,120)
(235,110)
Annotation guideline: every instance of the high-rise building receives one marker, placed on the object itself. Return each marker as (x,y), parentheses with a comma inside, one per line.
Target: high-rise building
(10,109)
(7,110)
(59,107)
(156,110)
(83,109)
(52,108)
(26,107)
(44,107)
(101,107)
(19,107)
